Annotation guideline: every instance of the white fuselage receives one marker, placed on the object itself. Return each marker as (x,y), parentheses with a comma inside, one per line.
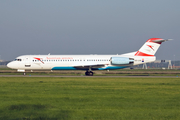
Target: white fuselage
(74,62)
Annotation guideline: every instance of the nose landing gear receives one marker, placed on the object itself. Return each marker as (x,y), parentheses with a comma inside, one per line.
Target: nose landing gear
(89,73)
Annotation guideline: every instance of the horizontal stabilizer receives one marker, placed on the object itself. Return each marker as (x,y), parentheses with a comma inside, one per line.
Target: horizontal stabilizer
(160,41)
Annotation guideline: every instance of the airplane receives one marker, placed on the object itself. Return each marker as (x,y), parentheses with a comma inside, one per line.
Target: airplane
(89,63)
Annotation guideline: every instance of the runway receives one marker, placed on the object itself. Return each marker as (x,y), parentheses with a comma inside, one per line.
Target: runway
(90,76)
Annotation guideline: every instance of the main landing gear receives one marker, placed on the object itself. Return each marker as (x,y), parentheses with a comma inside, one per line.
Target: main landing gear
(89,73)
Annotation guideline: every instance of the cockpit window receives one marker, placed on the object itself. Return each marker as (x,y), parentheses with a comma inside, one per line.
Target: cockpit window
(18,59)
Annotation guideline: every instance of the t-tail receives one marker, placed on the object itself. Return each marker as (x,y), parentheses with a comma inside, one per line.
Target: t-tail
(150,47)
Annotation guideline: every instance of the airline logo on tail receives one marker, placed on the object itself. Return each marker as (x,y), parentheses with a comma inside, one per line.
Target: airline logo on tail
(150,47)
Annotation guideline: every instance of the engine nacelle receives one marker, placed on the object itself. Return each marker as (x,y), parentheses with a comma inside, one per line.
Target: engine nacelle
(121,61)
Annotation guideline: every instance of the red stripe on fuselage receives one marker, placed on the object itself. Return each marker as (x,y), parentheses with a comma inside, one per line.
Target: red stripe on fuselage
(39,59)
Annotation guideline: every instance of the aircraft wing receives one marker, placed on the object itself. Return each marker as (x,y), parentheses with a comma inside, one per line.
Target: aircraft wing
(88,65)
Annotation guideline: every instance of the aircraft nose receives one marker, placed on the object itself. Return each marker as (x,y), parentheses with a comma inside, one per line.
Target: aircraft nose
(11,65)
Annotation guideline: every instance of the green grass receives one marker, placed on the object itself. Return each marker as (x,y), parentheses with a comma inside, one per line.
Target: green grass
(96,74)
(89,98)
(125,72)
(5,68)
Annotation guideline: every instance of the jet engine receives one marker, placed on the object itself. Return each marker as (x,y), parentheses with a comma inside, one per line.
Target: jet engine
(121,61)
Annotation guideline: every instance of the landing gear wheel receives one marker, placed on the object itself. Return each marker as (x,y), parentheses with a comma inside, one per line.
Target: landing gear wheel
(89,73)
(86,73)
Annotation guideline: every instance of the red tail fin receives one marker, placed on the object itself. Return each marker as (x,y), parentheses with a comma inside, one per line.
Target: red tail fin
(150,47)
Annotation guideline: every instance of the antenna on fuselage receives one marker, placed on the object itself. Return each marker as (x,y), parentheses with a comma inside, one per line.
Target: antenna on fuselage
(49,54)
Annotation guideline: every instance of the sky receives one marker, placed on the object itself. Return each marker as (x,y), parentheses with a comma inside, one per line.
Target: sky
(33,27)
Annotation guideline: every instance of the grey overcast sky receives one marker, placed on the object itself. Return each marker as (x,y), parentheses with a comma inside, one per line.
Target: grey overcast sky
(87,26)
